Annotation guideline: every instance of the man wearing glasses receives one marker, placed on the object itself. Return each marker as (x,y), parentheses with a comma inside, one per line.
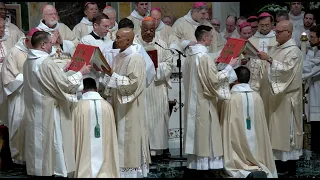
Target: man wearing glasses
(285,98)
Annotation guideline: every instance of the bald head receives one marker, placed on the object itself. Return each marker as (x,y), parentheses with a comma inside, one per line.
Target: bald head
(231,24)
(286,24)
(148,29)
(50,15)
(156,15)
(283,31)
(124,38)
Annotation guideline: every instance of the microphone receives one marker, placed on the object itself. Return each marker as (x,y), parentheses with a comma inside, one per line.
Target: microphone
(170,49)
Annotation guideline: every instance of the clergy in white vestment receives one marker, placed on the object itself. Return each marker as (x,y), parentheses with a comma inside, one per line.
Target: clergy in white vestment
(296,16)
(3,53)
(184,28)
(49,95)
(231,28)
(263,40)
(157,107)
(12,32)
(308,22)
(246,142)
(113,28)
(64,40)
(12,83)
(128,92)
(311,73)
(95,136)
(136,16)
(203,84)
(285,97)
(85,26)
(240,20)
(98,38)
(162,30)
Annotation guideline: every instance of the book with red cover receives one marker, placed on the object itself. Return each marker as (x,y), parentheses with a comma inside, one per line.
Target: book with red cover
(153,53)
(234,47)
(86,54)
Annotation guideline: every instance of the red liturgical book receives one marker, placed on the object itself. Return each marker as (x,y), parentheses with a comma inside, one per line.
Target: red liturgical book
(154,56)
(86,54)
(234,47)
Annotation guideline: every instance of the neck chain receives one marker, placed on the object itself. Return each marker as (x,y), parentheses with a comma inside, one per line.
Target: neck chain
(248,120)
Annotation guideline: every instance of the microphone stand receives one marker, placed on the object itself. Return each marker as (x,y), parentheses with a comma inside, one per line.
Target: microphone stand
(180,157)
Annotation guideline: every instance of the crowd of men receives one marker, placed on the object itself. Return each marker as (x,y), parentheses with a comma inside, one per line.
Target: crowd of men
(244,117)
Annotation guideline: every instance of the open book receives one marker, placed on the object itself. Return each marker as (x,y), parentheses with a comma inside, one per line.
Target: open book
(86,54)
(234,47)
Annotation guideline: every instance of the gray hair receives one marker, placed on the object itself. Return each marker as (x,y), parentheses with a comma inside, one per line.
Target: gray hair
(109,10)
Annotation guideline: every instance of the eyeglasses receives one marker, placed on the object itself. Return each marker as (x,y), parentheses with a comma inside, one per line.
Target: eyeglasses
(279,32)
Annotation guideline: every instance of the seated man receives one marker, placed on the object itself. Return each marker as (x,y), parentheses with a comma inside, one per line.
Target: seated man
(96,145)
(247,148)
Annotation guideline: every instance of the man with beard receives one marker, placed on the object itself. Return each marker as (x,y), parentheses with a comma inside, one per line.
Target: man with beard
(230,29)
(12,32)
(203,85)
(263,39)
(113,28)
(127,81)
(311,73)
(141,11)
(162,30)
(285,98)
(253,20)
(157,107)
(63,39)
(12,86)
(49,95)
(308,21)
(85,26)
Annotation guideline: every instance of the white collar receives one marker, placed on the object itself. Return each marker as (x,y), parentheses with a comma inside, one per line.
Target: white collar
(135,14)
(86,21)
(269,35)
(242,87)
(188,18)
(91,95)
(160,26)
(295,18)
(44,27)
(34,54)
(198,48)
(21,45)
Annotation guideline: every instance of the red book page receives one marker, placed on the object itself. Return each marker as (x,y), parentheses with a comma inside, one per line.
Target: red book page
(154,57)
(232,49)
(81,56)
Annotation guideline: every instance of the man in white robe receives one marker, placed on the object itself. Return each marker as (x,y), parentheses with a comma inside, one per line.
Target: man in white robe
(184,28)
(311,73)
(95,136)
(127,81)
(157,107)
(85,26)
(246,142)
(113,28)
(203,84)
(296,16)
(285,98)
(308,22)
(12,32)
(231,28)
(136,16)
(263,40)
(64,40)
(12,82)
(162,30)
(49,95)
(98,38)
